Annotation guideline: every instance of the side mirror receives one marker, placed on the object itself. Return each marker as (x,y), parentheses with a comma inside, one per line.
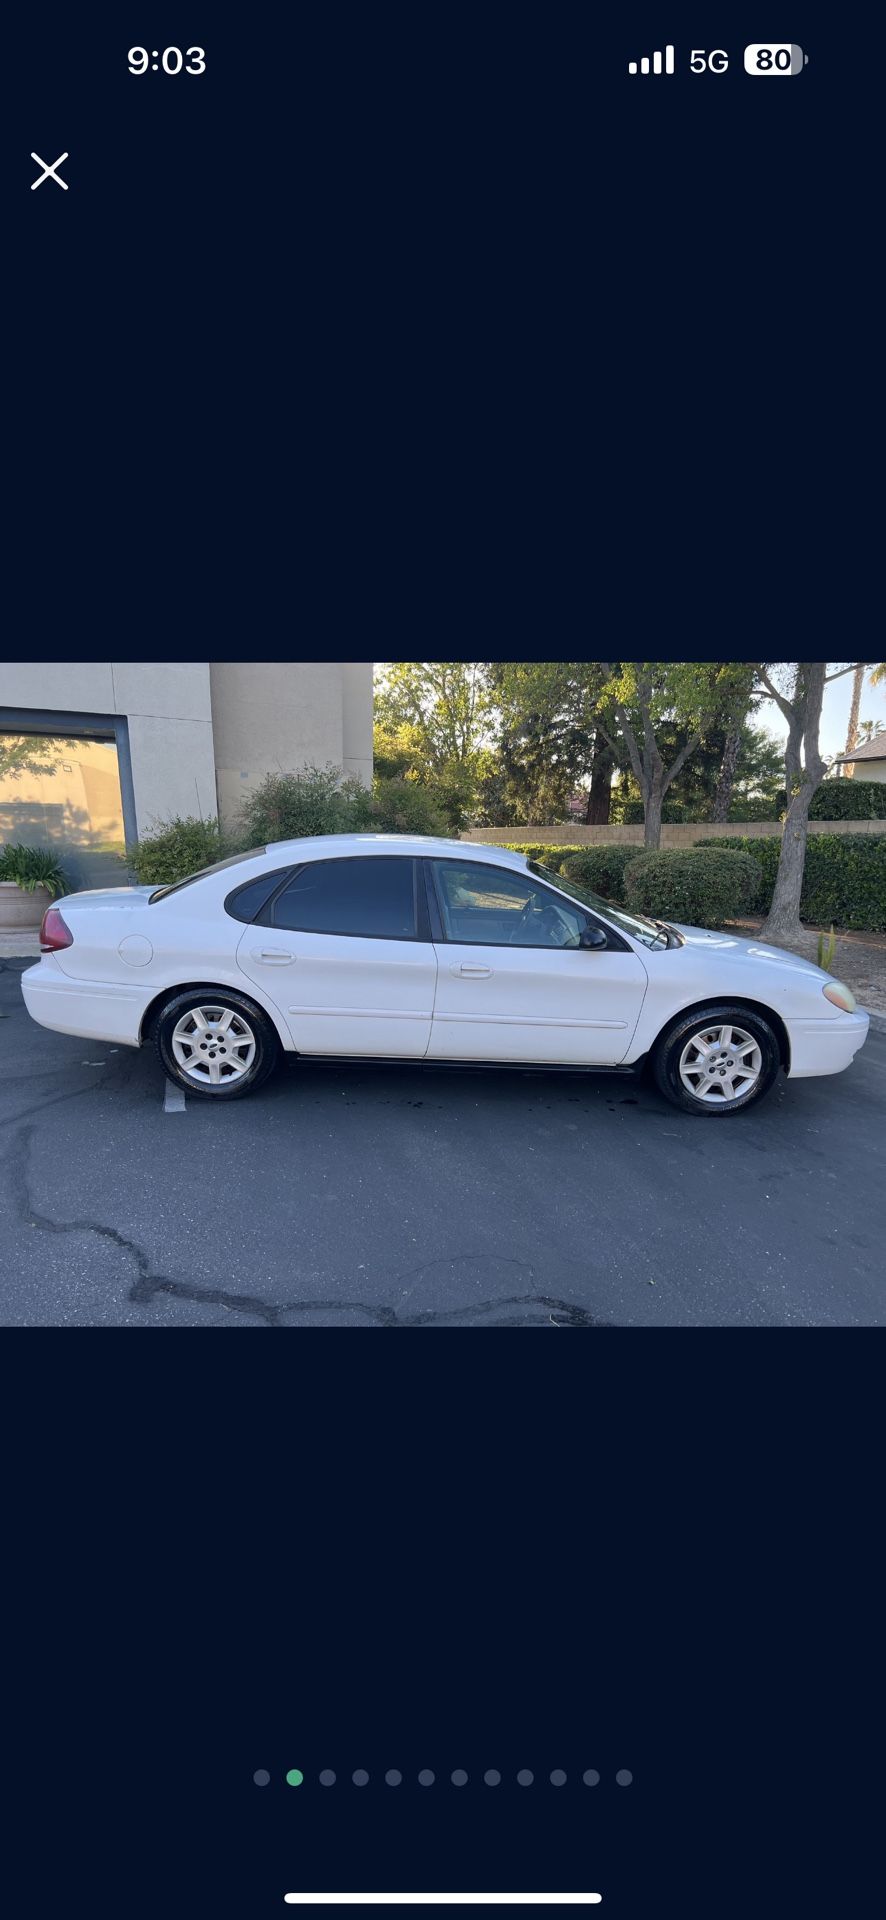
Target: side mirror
(593,937)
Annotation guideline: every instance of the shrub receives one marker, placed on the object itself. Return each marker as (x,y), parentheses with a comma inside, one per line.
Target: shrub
(398,806)
(32,867)
(764,851)
(535,850)
(631,812)
(844,880)
(757,807)
(176,848)
(702,888)
(602,868)
(850,800)
(295,806)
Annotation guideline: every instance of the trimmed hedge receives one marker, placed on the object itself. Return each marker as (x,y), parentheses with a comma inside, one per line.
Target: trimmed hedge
(551,856)
(758,808)
(701,888)
(601,867)
(844,880)
(631,813)
(850,800)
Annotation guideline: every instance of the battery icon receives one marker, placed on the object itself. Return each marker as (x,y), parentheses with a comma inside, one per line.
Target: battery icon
(775,59)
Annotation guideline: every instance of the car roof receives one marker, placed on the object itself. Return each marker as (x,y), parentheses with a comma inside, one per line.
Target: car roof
(324,846)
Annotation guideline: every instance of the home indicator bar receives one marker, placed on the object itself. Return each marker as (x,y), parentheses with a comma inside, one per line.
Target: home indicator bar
(443,1899)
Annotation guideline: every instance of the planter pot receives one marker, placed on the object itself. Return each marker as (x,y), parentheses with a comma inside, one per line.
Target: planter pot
(22,912)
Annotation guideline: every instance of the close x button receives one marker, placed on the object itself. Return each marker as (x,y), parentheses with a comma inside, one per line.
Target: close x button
(49,172)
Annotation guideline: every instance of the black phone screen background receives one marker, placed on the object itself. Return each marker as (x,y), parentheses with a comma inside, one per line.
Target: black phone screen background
(413,303)
(396,315)
(225,1561)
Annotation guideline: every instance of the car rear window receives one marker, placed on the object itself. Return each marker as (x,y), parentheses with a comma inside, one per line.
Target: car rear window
(246,902)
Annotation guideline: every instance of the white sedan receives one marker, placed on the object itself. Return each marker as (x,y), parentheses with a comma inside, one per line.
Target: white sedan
(388,947)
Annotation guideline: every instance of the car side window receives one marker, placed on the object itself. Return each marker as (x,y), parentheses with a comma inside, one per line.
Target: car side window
(492,906)
(374,897)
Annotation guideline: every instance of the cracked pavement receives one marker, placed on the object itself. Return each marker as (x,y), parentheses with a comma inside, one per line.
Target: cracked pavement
(394,1196)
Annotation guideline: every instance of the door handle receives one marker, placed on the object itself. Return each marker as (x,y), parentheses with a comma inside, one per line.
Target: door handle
(472,973)
(276,956)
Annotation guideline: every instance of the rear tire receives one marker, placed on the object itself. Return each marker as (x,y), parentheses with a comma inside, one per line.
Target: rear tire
(215,1045)
(717,1060)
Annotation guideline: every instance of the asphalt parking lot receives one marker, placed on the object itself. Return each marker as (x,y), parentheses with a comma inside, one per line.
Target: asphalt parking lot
(389,1197)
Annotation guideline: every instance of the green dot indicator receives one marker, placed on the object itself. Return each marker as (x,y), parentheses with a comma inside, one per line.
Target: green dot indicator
(294,1778)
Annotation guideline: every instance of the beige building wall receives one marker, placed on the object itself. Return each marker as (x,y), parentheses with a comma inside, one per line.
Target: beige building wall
(202,735)
(866,770)
(168,710)
(279,716)
(357,698)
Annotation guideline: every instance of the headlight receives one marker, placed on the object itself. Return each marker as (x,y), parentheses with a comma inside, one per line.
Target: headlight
(840,996)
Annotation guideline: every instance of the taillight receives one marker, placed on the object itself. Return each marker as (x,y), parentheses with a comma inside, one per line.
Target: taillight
(53,932)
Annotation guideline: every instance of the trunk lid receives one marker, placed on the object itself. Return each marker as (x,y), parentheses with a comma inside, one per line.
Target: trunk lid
(97,898)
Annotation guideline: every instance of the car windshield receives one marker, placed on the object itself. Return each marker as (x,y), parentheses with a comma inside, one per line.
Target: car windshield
(233,860)
(651,933)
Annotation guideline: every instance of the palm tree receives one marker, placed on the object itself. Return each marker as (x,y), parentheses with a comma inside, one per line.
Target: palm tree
(852,729)
(878,674)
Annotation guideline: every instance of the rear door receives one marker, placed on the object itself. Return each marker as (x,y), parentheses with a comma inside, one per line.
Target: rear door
(513,982)
(345,953)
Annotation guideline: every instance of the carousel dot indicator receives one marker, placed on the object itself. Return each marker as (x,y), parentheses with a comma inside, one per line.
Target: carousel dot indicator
(294,1778)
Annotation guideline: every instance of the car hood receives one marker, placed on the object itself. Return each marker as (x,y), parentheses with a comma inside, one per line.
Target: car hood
(123,897)
(753,952)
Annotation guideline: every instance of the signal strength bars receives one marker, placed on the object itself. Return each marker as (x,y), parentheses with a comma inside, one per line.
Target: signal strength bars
(656,67)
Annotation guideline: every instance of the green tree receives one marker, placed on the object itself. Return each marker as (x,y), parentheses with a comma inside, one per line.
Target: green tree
(548,738)
(432,721)
(752,758)
(398,755)
(732,746)
(649,697)
(855,704)
(797,687)
(564,722)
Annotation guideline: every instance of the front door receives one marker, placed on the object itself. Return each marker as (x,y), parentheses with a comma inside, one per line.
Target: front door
(513,983)
(345,953)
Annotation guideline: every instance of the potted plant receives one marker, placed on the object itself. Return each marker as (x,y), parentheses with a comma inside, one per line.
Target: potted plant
(30,879)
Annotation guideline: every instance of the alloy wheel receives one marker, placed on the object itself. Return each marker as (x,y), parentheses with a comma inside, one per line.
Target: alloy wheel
(720,1064)
(213,1045)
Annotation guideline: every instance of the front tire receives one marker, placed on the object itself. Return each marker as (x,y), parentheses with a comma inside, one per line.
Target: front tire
(718,1060)
(217,1046)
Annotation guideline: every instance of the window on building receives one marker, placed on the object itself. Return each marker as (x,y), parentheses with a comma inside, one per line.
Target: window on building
(64,794)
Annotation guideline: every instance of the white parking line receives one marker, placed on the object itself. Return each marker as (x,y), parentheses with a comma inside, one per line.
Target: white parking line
(174,1099)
